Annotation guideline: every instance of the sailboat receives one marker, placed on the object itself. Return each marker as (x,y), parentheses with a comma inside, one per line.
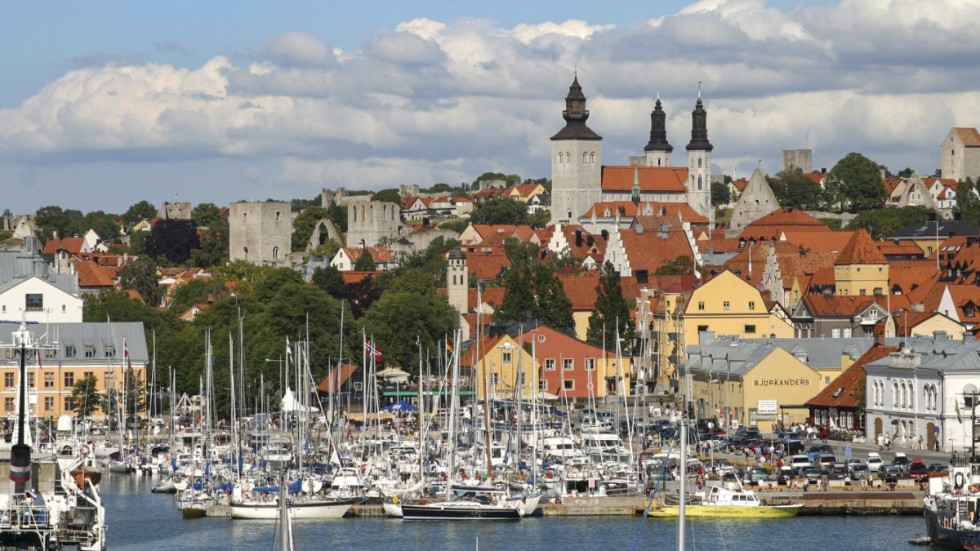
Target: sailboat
(61,508)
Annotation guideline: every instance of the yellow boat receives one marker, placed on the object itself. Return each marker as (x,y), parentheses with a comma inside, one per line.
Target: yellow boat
(722,502)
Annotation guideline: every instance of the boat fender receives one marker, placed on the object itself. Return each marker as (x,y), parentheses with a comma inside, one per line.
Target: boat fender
(974,488)
(958,481)
(85,450)
(395,500)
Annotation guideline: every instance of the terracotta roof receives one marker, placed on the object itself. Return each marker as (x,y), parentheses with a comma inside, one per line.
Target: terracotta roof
(740,184)
(772,225)
(652,249)
(73,245)
(962,296)
(329,383)
(585,244)
(816,177)
(355,276)
(92,275)
(900,247)
(486,262)
(969,136)
(581,289)
(378,254)
(847,390)
(861,249)
(821,241)
(659,179)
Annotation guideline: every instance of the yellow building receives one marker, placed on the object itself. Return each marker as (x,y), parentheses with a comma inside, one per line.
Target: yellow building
(665,341)
(501,367)
(860,268)
(728,305)
(70,352)
(763,381)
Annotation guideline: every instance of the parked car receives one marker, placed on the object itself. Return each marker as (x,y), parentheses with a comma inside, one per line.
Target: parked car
(918,471)
(814,474)
(784,475)
(874,462)
(860,471)
(890,474)
(800,462)
(826,460)
(817,450)
(938,467)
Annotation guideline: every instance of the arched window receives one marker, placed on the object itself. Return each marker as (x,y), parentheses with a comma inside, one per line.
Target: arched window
(699,162)
(592,158)
(699,183)
(561,157)
(895,394)
(585,157)
(275,253)
(245,250)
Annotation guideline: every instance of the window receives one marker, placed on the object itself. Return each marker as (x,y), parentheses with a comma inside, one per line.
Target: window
(8,405)
(863,292)
(110,351)
(89,351)
(69,350)
(568,384)
(568,364)
(835,333)
(751,305)
(50,352)
(88,375)
(69,379)
(549,364)
(48,379)
(8,380)
(750,329)
(507,357)
(590,364)
(701,305)
(847,332)
(726,305)
(702,328)
(494,379)
(34,302)
(49,403)
(31,382)
(67,403)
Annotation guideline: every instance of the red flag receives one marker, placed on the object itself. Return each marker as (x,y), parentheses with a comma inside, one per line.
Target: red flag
(449,346)
(372,350)
(129,364)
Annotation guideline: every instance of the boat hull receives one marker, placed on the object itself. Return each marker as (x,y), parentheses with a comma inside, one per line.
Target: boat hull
(728,511)
(943,534)
(318,510)
(454,511)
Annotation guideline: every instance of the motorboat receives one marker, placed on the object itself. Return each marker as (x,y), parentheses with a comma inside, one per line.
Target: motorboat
(725,501)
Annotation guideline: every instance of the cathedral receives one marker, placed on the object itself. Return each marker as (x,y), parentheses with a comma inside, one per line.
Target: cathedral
(579,179)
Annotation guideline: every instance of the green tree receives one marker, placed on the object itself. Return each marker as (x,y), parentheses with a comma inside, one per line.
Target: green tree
(304,225)
(883,222)
(103,224)
(855,183)
(500,210)
(795,190)
(85,397)
(338,214)
(196,291)
(365,262)
(388,195)
(205,214)
(329,280)
(720,194)
(534,291)
(139,211)
(51,220)
(611,313)
(141,274)
(410,309)
(214,245)
(172,240)
(968,201)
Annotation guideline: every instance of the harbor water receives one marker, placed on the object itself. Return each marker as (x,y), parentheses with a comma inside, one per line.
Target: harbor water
(140,520)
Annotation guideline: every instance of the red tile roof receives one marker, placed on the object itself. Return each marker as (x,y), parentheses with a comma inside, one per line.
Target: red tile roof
(861,249)
(72,245)
(651,179)
(92,275)
(847,390)
(969,136)
(652,249)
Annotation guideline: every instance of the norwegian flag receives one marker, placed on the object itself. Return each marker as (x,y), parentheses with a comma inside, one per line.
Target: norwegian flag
(372,350)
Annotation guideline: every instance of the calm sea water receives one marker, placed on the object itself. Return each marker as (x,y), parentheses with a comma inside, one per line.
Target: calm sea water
(139,520)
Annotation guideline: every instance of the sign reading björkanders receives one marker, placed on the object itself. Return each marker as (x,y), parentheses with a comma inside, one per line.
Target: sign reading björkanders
(782,382)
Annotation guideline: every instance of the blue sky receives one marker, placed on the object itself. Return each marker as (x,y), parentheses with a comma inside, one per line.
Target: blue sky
(104,104)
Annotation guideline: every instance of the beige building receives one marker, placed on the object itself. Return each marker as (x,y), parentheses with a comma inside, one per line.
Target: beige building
(729,305)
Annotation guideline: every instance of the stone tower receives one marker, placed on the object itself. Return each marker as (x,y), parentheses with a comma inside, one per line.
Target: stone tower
(576,161)
(458,287)
(372,221)
(658,149)
(699,163)
(260,233)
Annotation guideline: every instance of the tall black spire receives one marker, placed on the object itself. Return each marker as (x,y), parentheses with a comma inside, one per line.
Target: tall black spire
(658,130)
(575,115)
(699,128)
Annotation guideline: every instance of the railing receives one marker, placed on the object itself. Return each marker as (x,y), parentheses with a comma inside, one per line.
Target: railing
(22,514)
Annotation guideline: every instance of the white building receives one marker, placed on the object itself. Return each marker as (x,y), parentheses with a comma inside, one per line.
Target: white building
(30,292)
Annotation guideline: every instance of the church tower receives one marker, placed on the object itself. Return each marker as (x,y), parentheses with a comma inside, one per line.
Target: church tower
(699,163)
(576,161)
(458,286)
(658,149)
